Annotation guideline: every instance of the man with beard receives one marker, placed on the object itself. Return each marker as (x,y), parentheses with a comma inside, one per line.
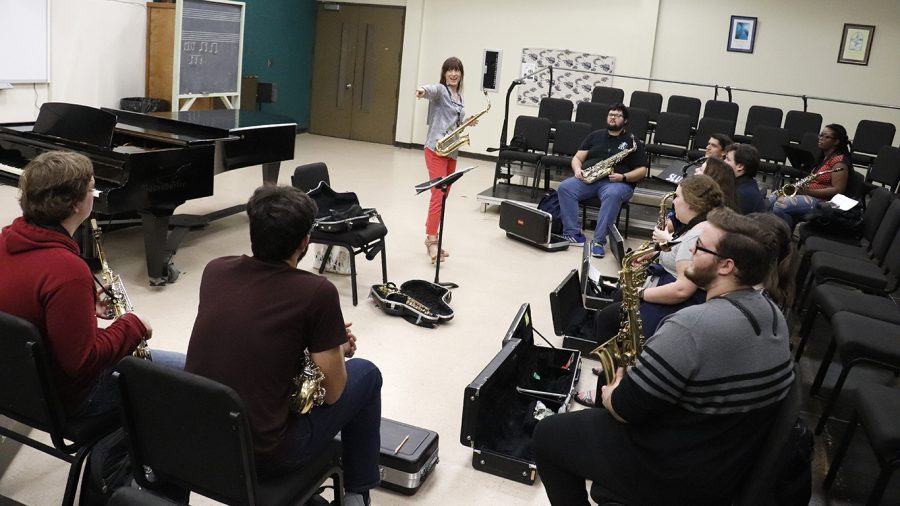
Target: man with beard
(256,316)
(612,191)
(684,424)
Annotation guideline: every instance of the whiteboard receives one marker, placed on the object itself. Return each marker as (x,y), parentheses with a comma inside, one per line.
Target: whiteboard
(24,41)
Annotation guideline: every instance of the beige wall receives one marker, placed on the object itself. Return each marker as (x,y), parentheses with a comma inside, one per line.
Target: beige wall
(97,50)
(796,52)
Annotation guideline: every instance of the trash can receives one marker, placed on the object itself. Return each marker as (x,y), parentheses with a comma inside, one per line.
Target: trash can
(144,104)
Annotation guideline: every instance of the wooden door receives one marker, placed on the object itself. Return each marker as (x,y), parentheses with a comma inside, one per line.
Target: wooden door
(356,72)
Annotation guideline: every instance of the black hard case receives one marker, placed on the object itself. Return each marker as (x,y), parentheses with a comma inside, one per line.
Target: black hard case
(497,407)
(531,226)
(406,470)
(404,466)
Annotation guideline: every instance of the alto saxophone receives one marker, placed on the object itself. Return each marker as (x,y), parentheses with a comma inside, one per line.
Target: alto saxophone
(452,140)
(119,302)
(604,168)
(306,387)
(790,189)
(623,349)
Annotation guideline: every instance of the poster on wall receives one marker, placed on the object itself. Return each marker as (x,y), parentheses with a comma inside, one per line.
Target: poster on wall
(575,74)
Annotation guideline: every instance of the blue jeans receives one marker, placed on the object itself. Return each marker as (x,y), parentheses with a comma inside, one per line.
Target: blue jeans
(793,209)
(611,195)
(356,415)
(105,394)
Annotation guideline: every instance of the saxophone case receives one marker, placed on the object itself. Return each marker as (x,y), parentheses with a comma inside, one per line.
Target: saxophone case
(501,406)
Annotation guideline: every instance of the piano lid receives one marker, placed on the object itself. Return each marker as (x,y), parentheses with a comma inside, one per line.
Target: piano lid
(228,119)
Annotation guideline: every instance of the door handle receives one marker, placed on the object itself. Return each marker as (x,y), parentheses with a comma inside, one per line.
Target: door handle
(348,85)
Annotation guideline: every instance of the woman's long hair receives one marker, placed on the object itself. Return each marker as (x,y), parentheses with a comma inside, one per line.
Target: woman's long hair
(724,176)
(779,283)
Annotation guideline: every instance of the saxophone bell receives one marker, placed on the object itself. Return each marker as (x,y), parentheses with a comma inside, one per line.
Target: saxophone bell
(307,390)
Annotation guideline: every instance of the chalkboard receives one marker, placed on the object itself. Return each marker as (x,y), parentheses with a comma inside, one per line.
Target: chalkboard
(210,47)
(24,41)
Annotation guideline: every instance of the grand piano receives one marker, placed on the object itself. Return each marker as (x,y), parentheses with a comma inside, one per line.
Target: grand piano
(149,164)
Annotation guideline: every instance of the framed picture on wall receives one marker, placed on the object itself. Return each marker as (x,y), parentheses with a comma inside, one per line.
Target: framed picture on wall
(742,34)
(856,44)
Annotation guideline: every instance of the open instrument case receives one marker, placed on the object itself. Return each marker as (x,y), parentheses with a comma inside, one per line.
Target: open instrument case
(499,405)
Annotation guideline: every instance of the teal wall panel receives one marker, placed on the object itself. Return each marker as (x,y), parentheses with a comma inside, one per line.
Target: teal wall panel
(278,48)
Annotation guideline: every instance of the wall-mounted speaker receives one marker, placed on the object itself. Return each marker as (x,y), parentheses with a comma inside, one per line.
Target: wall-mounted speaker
(490,69)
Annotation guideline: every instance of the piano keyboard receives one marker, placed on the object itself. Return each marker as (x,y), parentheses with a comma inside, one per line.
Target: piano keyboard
(18,173)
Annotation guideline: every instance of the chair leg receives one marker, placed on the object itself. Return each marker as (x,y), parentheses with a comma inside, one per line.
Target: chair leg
(338,480)
(353,275)
(384,278)
(325,258)
(74,475)
(627,219)
(835,393)
(823,368)
(805,328)
(841,452)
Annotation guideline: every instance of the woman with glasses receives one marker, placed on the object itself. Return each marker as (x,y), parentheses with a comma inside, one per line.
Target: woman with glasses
(446,111)
(667,289)
(834,146)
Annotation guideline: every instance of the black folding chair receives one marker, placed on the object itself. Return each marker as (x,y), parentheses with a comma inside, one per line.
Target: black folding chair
(194,434)
(721,110)
(28,395)
(758,116)
(534,134)
(648,101)
(798,123)
(685,105)
(592,113)
(886,169)
(369,240)
(607,95)
(673,133)
(569,136)
(869,138)
(769,141)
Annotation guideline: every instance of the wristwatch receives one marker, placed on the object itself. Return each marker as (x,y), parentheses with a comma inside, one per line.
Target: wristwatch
(641,293)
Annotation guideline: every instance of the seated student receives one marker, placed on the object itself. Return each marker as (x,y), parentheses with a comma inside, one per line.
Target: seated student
(744,160)
(257,314)
(612,191)
(717,146)
(684,424)
(834,154)
(666,289)
(46,282)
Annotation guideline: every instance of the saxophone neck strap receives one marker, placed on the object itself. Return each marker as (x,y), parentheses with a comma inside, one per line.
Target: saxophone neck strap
(749,316)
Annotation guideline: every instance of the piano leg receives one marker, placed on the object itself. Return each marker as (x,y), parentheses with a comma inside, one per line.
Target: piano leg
(160,268)
(270,172)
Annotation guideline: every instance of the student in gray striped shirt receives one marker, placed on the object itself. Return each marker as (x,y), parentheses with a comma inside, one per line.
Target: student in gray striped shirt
(683,425)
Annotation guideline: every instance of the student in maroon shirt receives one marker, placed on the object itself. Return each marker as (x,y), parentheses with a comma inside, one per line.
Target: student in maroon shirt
(257,314)
(44,281)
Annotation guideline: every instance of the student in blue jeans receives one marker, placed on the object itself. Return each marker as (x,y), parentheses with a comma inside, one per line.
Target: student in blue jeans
(256,316)
(613,191)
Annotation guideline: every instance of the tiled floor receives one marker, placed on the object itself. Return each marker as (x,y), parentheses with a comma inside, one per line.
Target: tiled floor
(425,371)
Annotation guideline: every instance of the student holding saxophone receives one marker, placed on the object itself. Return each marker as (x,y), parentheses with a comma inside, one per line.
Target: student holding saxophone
(828,177)
(44,281)
(613,190)
(256,317)
(446,112)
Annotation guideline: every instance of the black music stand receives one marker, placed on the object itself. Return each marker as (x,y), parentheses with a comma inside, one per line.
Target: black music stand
(443,184)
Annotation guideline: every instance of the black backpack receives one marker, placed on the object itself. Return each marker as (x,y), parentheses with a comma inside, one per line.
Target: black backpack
(108,468)
(550,204)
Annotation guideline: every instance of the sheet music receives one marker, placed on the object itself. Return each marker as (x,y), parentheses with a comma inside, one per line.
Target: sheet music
(843,202)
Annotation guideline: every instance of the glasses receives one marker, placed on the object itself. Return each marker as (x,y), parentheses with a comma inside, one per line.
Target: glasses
(615,115)
(698,246)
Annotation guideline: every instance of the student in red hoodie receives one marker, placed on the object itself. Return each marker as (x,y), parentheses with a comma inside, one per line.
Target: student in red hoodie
(44,281)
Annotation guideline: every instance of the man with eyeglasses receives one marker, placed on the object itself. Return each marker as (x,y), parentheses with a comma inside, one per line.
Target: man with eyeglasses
(685,423)
(612,191)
